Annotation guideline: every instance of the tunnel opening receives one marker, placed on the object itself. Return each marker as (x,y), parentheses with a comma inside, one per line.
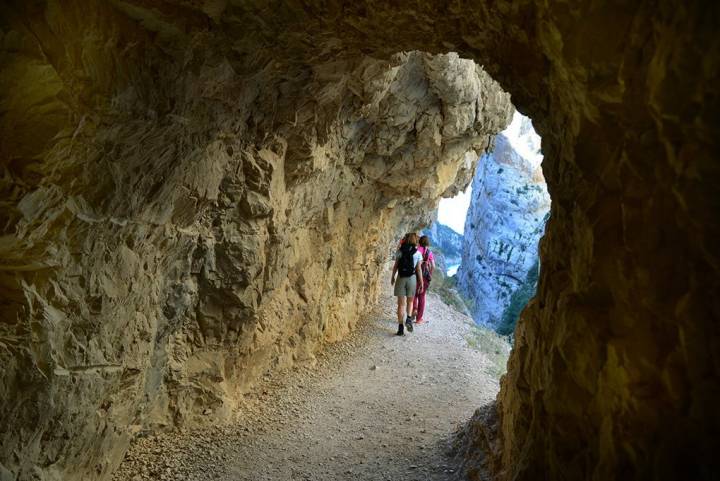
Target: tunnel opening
(489,234)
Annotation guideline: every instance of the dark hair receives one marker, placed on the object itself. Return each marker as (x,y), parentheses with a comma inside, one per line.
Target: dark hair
(425,241)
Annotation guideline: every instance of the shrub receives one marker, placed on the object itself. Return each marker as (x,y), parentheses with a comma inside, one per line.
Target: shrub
(495,347)
(518,301)
(446,289)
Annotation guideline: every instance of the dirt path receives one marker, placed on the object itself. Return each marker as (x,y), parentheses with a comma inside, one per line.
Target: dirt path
(376,407)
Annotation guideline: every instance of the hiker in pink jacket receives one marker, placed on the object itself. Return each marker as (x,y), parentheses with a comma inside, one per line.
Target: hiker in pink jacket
(428,266)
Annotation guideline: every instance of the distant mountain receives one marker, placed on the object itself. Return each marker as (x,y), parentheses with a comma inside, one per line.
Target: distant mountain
(449,241)
(446,245)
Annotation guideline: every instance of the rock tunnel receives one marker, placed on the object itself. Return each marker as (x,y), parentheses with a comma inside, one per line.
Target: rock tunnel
(197,192)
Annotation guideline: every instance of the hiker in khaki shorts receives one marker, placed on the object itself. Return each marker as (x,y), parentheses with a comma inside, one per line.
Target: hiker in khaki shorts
(408,265)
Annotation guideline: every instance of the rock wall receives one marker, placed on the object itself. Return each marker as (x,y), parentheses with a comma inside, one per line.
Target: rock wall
(175,227)
(143,141)
(506,218)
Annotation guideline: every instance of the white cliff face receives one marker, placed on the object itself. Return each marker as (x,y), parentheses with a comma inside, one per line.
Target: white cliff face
(446,245)
(505,221)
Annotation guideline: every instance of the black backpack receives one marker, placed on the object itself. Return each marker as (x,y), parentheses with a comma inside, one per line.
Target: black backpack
(426,265)
(406,266)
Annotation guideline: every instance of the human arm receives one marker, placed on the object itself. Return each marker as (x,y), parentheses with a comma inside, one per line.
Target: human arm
(418,275)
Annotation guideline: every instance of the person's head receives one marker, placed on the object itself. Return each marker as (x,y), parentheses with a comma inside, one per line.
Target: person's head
(425,241)
(412,238)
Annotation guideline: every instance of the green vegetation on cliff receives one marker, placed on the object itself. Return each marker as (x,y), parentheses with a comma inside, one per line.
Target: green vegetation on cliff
(518,301)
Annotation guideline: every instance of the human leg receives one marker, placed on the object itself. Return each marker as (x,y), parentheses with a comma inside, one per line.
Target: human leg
(400,315)
(408,319)
(420,302)
(405,292)
(401,300)
(410,286)
(416,299)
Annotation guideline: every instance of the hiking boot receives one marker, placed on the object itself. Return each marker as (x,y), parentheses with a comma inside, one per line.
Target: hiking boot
(408,324)
(400,330)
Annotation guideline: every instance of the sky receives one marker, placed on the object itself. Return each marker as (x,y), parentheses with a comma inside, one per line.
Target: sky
(527,144)
(452,212)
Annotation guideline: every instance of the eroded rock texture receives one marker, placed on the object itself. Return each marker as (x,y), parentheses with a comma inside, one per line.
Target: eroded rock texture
(187,227)
(506,218)
(185,204)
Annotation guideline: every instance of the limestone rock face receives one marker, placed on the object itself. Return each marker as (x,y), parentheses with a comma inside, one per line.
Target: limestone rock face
(195,192)
(446,245)
(504,223)
(172,238)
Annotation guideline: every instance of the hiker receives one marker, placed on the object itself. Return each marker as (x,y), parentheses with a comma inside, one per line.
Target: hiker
(427,268)
(407,266)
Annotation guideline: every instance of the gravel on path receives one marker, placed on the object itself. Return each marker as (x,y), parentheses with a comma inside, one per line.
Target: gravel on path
(374,407)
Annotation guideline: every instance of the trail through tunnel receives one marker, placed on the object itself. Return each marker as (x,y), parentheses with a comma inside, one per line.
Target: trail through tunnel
(198,194)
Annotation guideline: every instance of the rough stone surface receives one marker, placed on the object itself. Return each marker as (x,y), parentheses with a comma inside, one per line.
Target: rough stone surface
(506,218)
(178,233)
(367,411)
(178,203)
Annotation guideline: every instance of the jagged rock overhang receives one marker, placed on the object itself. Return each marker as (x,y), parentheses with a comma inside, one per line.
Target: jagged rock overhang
(602,85)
